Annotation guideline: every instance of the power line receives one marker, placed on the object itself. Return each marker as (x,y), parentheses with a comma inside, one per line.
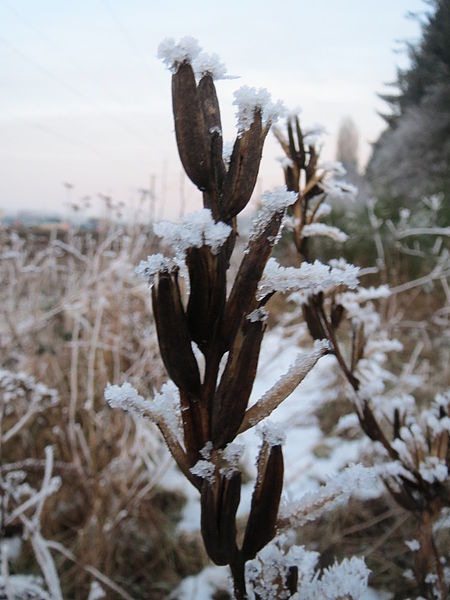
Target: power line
(40,68)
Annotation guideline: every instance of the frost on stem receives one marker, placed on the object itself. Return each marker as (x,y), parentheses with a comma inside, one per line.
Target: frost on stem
(335,492)
(310,278)
(273,202)
(196,230)
(283,570)
(248,100)
(155,264)
(320,229)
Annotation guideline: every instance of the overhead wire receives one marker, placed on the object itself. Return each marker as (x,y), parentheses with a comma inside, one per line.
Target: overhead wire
(68,86)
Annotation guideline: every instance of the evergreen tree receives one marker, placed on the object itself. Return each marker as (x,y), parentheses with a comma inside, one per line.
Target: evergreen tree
(412,157)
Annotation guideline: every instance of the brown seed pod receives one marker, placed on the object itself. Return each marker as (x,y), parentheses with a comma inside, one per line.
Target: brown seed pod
(233,392)
(242,298)
(241,177)
(173,334)
(219,504)
(207,277)
(261,524)
(190,128)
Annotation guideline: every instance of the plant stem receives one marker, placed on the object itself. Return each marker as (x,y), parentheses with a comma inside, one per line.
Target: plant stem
(237,567)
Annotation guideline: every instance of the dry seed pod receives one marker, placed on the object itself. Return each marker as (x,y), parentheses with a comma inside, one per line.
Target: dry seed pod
(261,524)
(233,393)
(173,335)
(211,114)
(242,300)
(241,178)
(207,276)
(219,504)
(190,128)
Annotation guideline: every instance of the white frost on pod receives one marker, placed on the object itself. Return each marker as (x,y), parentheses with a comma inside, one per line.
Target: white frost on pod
(173,54)
(310,278)
(196,230)
(204,469)
(320,229)
(248,100)
(156,263)
(273,202)
(272,433)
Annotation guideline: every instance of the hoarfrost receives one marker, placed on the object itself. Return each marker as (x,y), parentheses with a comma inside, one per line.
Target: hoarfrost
(156,263)
(334,493)
(259,314)
(210,64)
(346,579)
(315,229)
(204,469)
(276,201)
(433,469)
(232,455)
(126,397)
(196,230)
(413,545)
(309,277)
(248,100)
(271,566)
(173,54)
(272,433)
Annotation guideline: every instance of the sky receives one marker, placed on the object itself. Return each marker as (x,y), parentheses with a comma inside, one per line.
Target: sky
(84,100)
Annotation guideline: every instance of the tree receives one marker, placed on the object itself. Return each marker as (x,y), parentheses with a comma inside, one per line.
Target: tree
(412,157)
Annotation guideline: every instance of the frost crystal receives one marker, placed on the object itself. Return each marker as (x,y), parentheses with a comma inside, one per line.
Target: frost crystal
(265,573)
(232,455)
(204,469)
(196,230)
(259,314)
(342,580)
(271,433)
(173,54)
(209,64)
(156,263)
(433,469)
(276,201)
(315,229)
(126,397)
(248,100)
(413,545)
(310,278)
(334,493)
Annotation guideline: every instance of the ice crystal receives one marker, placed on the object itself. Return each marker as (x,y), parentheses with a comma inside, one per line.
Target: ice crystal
(310,278)
(413,545)
(276,201)
(259,314)
(196,230)
(204,469)
(209,64)
(272,433)
(126,397)
(248,100)
(315,229)
(173,54)
(156,263)
(334,493)
(231,455)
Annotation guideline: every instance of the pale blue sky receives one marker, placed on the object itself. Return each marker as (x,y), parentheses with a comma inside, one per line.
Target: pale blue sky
(85,100)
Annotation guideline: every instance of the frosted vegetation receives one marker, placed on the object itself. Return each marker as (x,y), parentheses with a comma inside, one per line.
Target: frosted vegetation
(262,388)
